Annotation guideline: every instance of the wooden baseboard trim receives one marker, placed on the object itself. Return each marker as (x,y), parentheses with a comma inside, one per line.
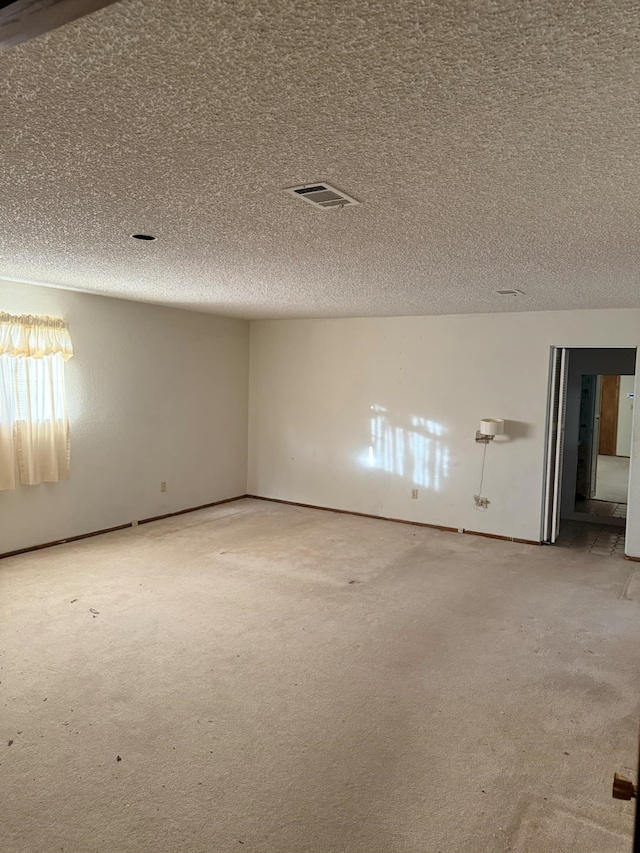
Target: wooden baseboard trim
(118,527)
(397,520)
(63,541)
(278,501)
(350,512)
(633,559)
(191,509)
(504,538)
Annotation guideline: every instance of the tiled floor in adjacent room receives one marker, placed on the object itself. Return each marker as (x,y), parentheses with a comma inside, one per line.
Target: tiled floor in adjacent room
(602,539)
(609,509)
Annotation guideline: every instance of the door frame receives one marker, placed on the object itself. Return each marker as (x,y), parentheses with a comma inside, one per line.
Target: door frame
(552,477)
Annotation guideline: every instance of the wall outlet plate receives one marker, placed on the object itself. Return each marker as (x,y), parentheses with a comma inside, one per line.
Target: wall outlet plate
(414,494)
(481,502)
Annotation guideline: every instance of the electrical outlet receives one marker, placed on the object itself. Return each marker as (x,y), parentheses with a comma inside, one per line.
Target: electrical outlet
(414,494)
(163,486)
(481,503)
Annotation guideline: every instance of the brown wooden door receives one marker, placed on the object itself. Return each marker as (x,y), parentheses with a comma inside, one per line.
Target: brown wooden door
(609,415)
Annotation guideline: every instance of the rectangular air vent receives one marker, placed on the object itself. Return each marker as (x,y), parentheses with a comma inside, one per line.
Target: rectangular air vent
(322,195)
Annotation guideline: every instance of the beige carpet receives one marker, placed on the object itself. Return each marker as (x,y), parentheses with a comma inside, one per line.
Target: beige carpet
(265,678)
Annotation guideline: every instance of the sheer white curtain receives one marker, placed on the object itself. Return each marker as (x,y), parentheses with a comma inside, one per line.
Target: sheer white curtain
(34,426)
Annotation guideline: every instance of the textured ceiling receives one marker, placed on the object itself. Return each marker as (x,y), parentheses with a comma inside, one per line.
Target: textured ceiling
(492,145)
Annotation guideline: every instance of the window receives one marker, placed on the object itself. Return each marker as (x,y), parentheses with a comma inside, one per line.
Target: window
(34,426)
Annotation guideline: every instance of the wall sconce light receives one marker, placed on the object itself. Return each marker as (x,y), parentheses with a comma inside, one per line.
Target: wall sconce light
(489,428)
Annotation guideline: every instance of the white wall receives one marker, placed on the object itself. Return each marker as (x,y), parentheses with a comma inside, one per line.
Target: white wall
(313,384)
(153,394)
(625,416)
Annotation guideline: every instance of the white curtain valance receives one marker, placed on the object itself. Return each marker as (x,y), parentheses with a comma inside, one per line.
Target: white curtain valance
(27,336)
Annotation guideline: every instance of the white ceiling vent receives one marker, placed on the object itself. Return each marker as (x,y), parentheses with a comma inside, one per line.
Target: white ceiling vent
(322,195)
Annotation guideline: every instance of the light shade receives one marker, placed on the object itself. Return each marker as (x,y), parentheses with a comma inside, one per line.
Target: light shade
(492,426)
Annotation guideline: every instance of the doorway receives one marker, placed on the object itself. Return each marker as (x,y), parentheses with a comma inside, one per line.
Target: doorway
(604,445)
(588,441)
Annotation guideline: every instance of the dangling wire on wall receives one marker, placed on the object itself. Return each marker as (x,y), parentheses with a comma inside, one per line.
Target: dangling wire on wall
(478,497)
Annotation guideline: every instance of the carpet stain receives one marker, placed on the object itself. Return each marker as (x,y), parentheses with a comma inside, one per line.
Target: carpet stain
(563,828)
(632,589)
